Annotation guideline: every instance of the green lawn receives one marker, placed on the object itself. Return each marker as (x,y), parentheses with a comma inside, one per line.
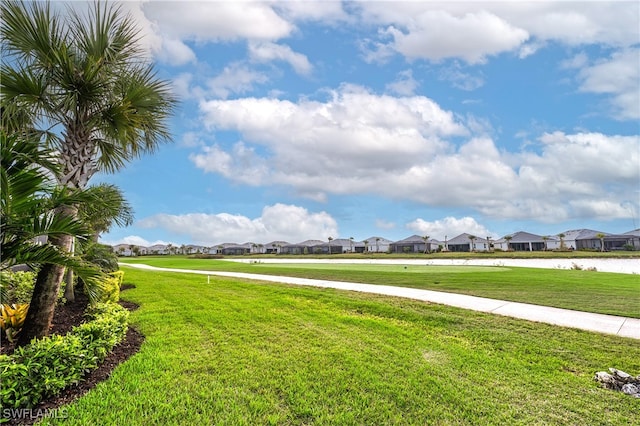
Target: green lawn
(242,353)
(600,292)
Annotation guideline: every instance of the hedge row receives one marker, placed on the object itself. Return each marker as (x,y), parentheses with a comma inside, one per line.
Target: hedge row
(48,365)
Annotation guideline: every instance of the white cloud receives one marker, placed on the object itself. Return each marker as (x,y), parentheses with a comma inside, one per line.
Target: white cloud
(460,79)
(618,76)
(277,222)
(401,148)
(175,52)
(449,227)
(216,21)
(437,35)
(405,84)
(356,137)
(268,51)
(240,164)
(473,31)
(236,78)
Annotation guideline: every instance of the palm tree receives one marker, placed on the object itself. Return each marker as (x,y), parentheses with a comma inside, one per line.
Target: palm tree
(508,239)
(351,244)
(561,236)
(489,244)
(472,238)
(30,208)
(601,236)
(109,208)
(546,238)
(330,239)
(426,244)
(82,81)
(366,246)
(377,245)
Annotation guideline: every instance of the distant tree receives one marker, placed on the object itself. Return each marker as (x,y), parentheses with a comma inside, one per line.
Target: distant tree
(330,239)
(601,236)
(562,245)
(426,244)
(508,239)
(546,239)
(351,244)
(472,246)
(366,246)
(377,245)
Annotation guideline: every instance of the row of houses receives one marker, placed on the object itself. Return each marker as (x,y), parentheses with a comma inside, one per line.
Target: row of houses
(581,239)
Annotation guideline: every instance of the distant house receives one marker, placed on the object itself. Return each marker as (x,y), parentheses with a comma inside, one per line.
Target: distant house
(588,239)
(413,244)
(339,245)
(524,241)
(274,247)
(634,239)
(129,250)
(376,244)
(305,247)
(158,249)
(462,243)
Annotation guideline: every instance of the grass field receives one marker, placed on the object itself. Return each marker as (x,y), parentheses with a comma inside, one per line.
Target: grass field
(242,353)
(599,292)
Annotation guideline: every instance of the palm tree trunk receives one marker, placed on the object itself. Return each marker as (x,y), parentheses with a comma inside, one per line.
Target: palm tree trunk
(69,290)
(43,301)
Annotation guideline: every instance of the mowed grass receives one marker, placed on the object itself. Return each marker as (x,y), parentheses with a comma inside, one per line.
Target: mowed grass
(599,292)
(245,353)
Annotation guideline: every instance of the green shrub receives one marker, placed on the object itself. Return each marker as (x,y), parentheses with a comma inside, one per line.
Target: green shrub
(48,365)
(17,286)
(110,291)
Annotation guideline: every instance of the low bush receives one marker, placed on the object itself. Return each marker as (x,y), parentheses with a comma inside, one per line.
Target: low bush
(17,287)
(46,366)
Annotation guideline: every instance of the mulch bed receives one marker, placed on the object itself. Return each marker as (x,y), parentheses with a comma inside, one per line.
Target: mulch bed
(65,318)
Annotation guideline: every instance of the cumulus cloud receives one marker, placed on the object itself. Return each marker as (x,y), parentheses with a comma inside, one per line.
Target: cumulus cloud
(235,78)
(438,34)
(357,142)
(618,76)
(277,222)
(404,85)
(449,227)
(355,137)
(217,21)
(268,51)
(474,31)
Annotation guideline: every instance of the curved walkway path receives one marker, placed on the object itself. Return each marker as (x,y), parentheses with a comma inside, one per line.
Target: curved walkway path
(608,324)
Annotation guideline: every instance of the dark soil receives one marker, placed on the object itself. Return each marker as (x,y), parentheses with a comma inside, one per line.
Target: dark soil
(65,318)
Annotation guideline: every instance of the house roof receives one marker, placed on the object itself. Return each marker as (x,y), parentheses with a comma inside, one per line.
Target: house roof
(277,243)
(308,243)
(526,237)
(464,239)
(582,234)
(372,240)
(412,239)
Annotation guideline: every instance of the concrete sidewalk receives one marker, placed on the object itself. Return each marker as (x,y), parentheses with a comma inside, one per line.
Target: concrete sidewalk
(608,324)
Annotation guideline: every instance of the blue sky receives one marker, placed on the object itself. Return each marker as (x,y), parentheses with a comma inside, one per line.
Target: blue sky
(303,120)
